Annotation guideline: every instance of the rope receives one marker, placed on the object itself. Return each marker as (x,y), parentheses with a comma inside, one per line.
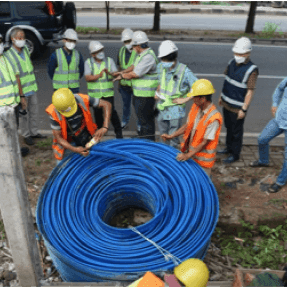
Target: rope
(83,193)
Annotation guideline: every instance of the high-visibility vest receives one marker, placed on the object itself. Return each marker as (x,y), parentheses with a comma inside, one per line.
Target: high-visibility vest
(67,76)
(83,102)
(25,68)
(235,84)
(205,157)
(146,85)
(104,86)
(171,90)
(9,90)
(124,65)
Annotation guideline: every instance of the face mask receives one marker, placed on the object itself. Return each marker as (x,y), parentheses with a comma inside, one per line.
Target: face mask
(1,48)
(101,55)
(70,45)
(20,43)
(129,47)
(166,64)
(239,59)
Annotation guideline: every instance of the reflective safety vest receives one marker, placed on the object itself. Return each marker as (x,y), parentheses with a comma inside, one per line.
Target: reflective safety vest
(146,85)
(67,76)
(104,86)
(83,102)
(235,85)
(25,68)
(9,90)
(124,65)
(206,157)
(171,90)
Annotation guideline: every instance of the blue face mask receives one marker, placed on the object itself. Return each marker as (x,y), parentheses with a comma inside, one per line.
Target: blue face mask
(166,64)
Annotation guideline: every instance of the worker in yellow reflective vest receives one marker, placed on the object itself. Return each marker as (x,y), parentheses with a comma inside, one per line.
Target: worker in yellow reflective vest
(144,82)
(66,64)
(126,58)
(99,73)
(175,81)
(19,57)
(9,90)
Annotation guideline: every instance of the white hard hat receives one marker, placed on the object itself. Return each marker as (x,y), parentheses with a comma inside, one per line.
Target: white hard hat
(127,34)
(95,46)
(139,37)
(165,48)
(242,45)
(71,34)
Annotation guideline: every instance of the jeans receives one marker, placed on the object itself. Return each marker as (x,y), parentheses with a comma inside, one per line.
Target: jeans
(270,131)
(126,93)
(98,114)
(234,135)
(144,107)
(169,127)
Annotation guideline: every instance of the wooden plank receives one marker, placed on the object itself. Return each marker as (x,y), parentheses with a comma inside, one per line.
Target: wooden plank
(14,204)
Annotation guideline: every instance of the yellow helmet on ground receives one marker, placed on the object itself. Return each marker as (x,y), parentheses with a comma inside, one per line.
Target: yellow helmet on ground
(192,273)
(201,87)
(64,101)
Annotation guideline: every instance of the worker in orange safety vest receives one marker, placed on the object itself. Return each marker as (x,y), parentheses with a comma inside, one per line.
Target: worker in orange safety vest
(202,130)
(72,122)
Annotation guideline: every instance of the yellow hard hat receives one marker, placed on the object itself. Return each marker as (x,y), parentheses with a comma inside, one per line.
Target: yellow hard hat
(192,273)
(201,87)
(64,101)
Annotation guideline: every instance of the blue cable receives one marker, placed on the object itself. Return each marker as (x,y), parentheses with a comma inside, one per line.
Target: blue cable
(83,193)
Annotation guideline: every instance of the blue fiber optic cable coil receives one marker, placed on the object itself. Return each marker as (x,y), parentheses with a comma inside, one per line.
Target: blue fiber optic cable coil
(83,193)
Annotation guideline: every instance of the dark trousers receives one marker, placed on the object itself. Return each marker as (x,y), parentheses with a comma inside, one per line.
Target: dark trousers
(144,107)
(234,137)
(98,114)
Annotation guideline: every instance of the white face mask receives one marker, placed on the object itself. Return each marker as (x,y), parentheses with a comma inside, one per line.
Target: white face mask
(239,59)
(129,47)
(1,48)
(101,55)
(70,45)
(19,43)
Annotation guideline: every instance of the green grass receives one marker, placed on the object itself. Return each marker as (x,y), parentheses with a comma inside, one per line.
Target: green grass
(269,31)
(87,30)
(38,162)
(45,143)
(268,251)
(2,231)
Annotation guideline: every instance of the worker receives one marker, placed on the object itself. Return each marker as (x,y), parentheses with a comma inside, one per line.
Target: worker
(190,273)
(201,132)
(72,124)
(238,90)
(144,83)
(66,64)
(274,127)
(175,80)
(19,57)
(9,90)
(126,58)
(99,71)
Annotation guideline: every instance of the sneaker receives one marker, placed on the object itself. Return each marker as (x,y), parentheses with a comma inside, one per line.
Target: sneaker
(274,188)
(258,164)
(230,159)
(138,128)
(39,136)
(223,151)
(29,141)
(124,125)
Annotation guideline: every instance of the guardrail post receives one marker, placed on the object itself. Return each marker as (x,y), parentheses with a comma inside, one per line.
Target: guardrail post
(14,203)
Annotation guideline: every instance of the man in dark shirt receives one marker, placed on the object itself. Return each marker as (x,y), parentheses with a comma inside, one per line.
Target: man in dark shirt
(72,123)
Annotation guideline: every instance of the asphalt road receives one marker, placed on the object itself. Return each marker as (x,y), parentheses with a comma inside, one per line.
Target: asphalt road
(179,21)
(207,60)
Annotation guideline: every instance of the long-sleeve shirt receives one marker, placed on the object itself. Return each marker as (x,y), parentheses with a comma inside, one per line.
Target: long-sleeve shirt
(177,111)
(280,100)
(53,64)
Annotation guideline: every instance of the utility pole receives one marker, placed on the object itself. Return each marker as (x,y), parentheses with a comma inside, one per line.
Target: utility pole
(108,14)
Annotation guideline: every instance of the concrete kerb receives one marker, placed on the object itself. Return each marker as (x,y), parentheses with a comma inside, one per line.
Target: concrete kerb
(141,10)
(184,38)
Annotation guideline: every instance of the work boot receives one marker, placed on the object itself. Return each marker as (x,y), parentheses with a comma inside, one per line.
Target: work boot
(29,141)
(24,151)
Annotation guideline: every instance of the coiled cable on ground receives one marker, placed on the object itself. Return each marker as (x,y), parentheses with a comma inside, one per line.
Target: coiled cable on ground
(83,193)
